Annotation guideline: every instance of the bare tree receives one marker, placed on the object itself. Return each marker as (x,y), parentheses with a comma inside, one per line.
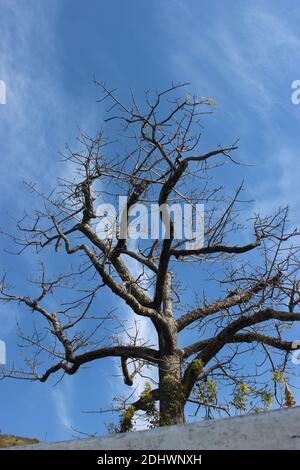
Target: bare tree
(238,331)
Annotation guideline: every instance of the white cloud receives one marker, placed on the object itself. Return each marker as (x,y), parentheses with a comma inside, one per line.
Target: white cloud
(279,187)
(251,57)
(243,52)
(60,400)
(39,116)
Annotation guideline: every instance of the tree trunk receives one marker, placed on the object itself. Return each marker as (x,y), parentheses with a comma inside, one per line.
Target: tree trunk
(170,389)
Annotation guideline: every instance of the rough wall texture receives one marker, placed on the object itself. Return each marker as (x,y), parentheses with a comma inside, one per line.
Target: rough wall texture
(272,430)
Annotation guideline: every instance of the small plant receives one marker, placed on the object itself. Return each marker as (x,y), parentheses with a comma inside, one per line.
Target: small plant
(197,366)
(240,396)
(267,399)
(149,407)
(278,376)
(126,423)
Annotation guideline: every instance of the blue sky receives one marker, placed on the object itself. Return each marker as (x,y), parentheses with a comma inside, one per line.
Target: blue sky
(243,54)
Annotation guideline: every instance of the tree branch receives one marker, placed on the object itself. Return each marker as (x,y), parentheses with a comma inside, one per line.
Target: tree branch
(230,301)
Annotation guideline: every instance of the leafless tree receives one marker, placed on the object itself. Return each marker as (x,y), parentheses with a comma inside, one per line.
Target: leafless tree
(226,352)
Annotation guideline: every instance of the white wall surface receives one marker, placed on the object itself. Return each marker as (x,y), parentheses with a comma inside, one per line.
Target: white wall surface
(278,429)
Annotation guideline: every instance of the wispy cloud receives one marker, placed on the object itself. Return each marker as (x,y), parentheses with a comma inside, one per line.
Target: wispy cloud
(40,116)
(243,54)
(247,60)
(279,189)
(61,400)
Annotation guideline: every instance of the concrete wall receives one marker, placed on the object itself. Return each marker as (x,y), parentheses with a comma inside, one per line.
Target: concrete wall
(272,430)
